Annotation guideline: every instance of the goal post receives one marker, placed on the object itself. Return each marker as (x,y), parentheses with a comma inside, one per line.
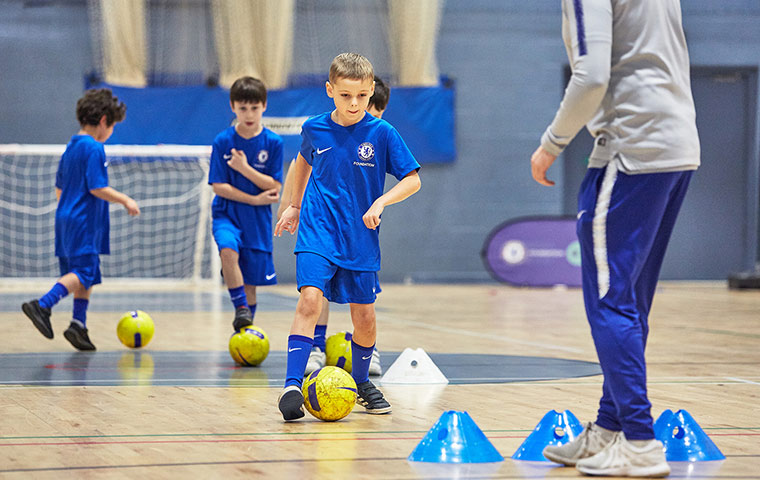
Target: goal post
(169,244)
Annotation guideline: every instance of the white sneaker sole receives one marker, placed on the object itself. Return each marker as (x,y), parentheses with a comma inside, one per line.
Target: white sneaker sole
(561,460)
(652,471)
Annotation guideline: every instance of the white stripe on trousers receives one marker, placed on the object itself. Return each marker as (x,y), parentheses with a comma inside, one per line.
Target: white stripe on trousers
(599,228)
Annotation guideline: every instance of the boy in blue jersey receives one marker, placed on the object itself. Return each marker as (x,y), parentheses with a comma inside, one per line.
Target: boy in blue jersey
(344,158)
(377,104)
(81,219)
(246,174)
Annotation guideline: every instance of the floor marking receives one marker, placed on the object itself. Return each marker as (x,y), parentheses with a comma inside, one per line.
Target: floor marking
(537,382)
(743,380)
(725,332)
(193,464)
(228,440)
(291,434)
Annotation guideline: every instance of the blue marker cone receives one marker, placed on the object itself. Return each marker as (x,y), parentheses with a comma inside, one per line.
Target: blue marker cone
(684,439)
(455,438)
(554,429)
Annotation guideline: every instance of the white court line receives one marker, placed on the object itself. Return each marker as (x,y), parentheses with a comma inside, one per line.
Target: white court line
(741,380)
(469,333)
(522,382)
(115,382)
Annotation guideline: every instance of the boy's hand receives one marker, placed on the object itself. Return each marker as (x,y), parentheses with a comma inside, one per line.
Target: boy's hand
(132,208)
(267,197)
(372,217)
(288,221)
(239,161)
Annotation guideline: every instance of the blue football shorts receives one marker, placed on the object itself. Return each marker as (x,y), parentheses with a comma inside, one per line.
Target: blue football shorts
(337,284)
(256,266)
(85,267)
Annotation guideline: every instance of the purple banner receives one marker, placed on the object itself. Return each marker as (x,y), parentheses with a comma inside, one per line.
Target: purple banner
(535,252)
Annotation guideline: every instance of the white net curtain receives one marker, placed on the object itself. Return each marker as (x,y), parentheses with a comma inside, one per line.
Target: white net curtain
(282,42)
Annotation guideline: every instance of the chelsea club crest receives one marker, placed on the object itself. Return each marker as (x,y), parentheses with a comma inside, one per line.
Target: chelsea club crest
(366,151)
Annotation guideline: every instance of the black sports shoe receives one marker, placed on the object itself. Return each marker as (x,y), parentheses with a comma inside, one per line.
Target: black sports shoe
(369,397)
(291,403)
(39,316)
(77,336)
(243,318)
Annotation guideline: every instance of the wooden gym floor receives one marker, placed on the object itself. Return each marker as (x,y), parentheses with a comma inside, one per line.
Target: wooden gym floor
(703,356)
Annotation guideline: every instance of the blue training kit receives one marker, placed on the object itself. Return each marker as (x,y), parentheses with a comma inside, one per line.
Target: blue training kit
(251,224)
(81,219)
(624,224)
(349,166)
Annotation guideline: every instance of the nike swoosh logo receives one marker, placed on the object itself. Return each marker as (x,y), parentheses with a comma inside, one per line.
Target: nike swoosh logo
(580,214)
(269,277)
(322,150)
(293,349)
(366,358)
(227,157)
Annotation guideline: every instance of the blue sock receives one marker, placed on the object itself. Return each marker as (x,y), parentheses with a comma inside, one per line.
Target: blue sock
(320,334)
(80,311)
(253,310)
(299,348)
(237,295)
(360,358)
(53,296)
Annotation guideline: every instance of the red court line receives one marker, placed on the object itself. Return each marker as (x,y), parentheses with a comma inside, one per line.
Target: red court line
(230,440)
(255,440)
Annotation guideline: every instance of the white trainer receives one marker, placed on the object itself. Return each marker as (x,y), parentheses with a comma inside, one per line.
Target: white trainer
(374,365)
(623,459)
(316,361)
(591,441)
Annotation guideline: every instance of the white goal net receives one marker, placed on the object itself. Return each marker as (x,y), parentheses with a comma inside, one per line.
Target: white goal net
(170,241)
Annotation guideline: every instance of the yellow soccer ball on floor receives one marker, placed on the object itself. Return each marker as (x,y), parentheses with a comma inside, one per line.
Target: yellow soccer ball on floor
(329,393)
(338,350)
(249,346)
(135,329)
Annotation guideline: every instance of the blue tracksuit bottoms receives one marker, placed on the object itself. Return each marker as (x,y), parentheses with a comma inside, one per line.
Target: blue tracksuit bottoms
(624,224)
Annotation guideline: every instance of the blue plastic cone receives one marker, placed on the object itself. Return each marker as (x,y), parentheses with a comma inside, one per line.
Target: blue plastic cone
(554,429)
(455,438)
(662,422)
(684,439)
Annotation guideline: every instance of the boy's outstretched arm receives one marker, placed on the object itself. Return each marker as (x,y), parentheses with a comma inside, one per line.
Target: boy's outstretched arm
(114,196)
(407,187)
(287,190)
(225,190)
(289,219)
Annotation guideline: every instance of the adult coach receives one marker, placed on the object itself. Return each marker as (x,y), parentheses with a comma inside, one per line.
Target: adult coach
(630,86)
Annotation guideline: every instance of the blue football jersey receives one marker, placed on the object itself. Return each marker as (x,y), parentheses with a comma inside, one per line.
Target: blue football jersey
(81,220)
(349,165)
(264,153)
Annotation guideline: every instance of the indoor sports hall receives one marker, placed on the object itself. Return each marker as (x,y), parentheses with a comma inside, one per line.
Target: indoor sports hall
(486,351)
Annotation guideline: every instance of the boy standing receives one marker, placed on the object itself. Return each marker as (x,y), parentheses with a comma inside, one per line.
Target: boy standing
(246,174)
(345,155)
(81,218)
(377,104)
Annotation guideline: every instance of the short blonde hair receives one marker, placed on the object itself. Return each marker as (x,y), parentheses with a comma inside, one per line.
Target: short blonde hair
(352,66)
